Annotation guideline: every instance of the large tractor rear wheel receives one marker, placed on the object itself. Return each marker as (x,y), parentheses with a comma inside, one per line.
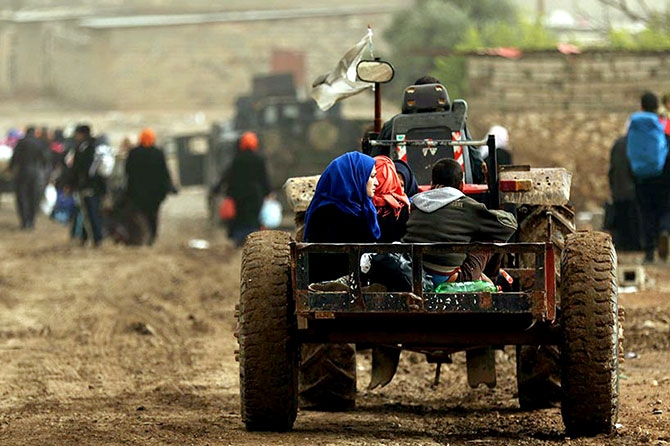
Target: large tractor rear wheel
(589,318)
(538,376)
(269,353)
(538,367)
(328,377)
(327,371)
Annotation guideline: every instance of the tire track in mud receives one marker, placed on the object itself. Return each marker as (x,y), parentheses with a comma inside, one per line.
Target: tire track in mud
(36,370)
(104,360)
(162,331)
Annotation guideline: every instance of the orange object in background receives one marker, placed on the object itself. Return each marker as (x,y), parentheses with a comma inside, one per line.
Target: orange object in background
(227,209)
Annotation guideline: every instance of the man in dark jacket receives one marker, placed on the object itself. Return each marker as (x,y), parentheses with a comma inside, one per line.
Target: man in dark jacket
(246,182)
(148,179)
(445,214)
(625,218)
(83,178)
(30,161)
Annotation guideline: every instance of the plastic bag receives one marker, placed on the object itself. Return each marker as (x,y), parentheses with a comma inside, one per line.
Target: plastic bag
(227,209)
(476,286)
(103,161)
(64,208)
(271,214)
(48,200)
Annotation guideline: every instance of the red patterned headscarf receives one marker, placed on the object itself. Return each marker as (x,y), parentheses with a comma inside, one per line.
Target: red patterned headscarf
(389,195)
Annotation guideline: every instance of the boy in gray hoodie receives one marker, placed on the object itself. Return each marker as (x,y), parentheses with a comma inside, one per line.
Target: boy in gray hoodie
(445,214)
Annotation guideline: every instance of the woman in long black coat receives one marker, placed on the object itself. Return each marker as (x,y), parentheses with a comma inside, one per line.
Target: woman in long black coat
(247,184)
(148,179)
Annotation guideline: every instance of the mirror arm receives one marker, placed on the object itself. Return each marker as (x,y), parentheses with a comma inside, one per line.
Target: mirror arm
(378,106)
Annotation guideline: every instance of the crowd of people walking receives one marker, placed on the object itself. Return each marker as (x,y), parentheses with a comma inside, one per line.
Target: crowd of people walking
(91,183)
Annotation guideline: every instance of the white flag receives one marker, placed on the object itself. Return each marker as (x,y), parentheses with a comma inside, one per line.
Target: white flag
(341,83)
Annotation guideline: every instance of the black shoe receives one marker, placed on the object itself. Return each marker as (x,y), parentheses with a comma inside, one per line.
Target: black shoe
(663,245)
(648,259)
(341,284)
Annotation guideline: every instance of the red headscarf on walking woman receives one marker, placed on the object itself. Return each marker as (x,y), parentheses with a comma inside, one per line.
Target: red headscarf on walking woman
(389,195)
(248,141)
(147,138)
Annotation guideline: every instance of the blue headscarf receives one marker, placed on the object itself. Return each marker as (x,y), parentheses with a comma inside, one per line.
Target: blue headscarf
(411,186)
(343,184)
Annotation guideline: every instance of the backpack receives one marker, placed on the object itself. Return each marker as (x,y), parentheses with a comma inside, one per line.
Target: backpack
(103,161)
(646,145)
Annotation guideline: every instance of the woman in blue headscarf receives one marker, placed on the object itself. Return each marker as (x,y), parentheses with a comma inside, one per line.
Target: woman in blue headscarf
(342,211)
(407,178)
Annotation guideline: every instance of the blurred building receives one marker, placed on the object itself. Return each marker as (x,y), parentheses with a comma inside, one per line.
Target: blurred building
(88,55)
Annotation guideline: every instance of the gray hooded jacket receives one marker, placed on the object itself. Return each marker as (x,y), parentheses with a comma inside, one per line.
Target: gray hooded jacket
(447,215)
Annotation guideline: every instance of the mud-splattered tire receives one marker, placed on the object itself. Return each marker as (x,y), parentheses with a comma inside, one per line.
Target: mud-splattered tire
(544,224)
(538,376)
(328,377)
(539,367)
(589,351)
(269,353)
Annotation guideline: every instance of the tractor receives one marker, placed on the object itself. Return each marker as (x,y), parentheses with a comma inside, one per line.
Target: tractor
(297,345)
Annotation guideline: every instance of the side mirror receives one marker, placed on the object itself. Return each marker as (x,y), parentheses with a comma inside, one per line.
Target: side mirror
(378,71)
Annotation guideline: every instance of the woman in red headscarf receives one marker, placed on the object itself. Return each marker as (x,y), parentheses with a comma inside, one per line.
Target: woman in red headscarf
(247,183)
(148,179)
(391,201)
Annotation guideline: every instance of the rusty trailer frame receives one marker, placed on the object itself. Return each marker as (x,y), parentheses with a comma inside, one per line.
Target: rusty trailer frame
(427,319)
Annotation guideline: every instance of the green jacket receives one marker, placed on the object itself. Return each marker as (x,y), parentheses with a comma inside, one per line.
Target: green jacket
(447,215)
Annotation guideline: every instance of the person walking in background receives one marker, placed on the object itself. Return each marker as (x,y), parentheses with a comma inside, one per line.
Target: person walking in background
(116,183)
(31,164)
(148,179)
(503,150)
(84,179)
(247,183)
(664,112)
(625,220)
(647,151)
(13,137)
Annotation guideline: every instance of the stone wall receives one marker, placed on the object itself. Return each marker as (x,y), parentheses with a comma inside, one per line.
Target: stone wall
(79,67)
(578,141)
(25,54)
(564,111)
(6,57)
(594,80)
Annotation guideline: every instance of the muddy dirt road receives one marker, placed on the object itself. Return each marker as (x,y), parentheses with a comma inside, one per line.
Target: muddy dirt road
(121,346)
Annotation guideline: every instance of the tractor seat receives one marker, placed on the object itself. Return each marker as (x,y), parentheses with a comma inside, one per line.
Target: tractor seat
(425,98)
(429,114)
